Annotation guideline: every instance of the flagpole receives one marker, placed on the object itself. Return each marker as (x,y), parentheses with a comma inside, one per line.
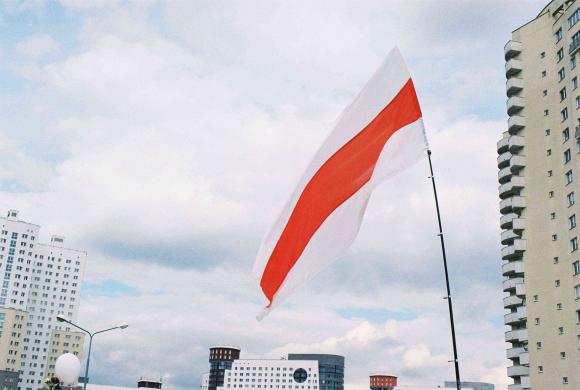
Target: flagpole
(448,297)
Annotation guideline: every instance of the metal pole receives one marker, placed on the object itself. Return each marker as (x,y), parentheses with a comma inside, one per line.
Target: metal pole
(88,362)
(450,304)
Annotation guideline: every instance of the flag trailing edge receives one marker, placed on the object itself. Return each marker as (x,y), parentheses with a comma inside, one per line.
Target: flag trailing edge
(378,135)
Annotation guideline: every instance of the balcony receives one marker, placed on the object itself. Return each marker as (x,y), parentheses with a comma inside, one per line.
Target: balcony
(515,386)
(504,175)
(512,301)
(502,145)
(515,104)
(512,67)
(508,236)
(503,160)
(516,123)
(514,250)
(516,335)
(521,290)
(510,284)
(505,222)
(517,163)
(577,132)
(512,49)
(518,316)
(516,143)
(512,187)
(513,353)
(515,203)
(525,359)
(517,371)
(513,268)
(513,85)
(525,382)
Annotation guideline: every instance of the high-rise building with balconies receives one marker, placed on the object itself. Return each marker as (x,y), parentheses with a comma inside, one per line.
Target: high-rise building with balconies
(539,168)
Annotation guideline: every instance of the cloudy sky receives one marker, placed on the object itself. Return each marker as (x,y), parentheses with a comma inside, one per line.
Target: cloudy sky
(163,138)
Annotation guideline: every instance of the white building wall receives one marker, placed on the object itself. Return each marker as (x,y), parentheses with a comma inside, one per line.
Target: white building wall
(271,374)
(54,290)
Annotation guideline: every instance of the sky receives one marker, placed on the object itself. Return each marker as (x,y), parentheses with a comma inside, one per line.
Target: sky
(164,137)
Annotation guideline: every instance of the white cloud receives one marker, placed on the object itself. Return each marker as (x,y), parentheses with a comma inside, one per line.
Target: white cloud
(37,46)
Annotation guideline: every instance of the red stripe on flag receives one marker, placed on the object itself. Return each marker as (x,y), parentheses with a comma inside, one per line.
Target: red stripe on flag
(341,176)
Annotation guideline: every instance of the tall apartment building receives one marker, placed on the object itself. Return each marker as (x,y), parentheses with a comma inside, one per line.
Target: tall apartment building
(539,174)
(44,280)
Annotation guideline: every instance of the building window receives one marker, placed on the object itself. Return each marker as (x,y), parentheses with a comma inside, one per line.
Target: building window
(536,298)
(558,35)
(543,54)
(537,321)
(560,54)
(574,244)
(561,74)
(576,267)
(571,198)
(558,306)
(544,74)
(564,114)
(546,112)
(550,173)
(573,62)
(577,291)
(539,345)
(572,20)
(575,83)
(572,221)
(562,355)
(552,215)
(569,177)
(545,92)
(556,260)
(549,152)
(563,94)
(540,369)
(560,330)
(577,102)
(578,316)
(566,134)
(565,380)
(567,156)
(557,283)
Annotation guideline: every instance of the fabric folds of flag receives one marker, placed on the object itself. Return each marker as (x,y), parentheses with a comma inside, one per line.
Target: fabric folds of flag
(378,135)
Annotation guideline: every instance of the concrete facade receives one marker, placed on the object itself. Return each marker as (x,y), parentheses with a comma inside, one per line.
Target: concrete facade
(12,331)
(538,177)
(61,342)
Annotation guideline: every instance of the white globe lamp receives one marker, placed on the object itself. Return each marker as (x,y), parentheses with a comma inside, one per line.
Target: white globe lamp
(67,368)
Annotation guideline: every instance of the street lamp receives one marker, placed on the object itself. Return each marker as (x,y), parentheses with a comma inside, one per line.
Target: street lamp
(91,335)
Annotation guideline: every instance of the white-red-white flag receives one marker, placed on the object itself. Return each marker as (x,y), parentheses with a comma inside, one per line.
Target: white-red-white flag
(378,135)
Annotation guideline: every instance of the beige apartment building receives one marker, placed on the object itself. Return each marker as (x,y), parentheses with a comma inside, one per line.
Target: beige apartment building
(539,176)
(12,333)
(61,342)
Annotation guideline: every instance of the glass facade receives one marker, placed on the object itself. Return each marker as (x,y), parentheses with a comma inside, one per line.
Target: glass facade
(330,369)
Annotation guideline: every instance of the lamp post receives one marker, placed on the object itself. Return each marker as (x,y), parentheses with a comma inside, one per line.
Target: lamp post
(91,335)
